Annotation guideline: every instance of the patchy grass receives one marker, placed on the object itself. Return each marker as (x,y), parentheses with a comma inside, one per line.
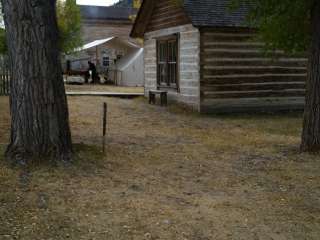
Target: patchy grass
(169,175)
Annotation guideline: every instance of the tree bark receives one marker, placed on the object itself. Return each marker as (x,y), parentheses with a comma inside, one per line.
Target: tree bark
(311,125)
(38,104)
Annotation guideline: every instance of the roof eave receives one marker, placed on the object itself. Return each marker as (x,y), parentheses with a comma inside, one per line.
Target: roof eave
(143,16)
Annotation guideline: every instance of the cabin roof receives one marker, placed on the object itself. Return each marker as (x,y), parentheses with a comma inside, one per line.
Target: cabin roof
(215,13)
(202,13)
(106,13)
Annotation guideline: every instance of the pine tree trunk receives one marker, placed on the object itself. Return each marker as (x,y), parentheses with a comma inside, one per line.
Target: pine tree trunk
(39,111)
(311,125)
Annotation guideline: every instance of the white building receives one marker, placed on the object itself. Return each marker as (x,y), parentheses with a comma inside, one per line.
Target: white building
(117,60)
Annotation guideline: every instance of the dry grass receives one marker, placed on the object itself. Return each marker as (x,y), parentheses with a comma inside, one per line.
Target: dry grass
(169,175)
(103,88)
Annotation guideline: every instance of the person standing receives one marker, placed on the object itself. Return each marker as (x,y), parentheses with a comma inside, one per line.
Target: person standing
(92,71)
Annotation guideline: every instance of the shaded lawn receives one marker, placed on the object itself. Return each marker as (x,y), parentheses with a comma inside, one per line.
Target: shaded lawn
(167,174)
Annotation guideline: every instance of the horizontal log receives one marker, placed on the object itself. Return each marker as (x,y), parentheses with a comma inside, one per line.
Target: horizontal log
(223,70)
(232,45)
(256,94)
(281,62)
(240,53)
(168,24)
(233,30)
(227,37)
(159,14)
(252,86)
(164,4)
(166,14)
(174,16)
(247,105)
(252,78)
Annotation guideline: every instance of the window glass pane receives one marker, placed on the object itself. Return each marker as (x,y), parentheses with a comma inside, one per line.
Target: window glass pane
(167,62)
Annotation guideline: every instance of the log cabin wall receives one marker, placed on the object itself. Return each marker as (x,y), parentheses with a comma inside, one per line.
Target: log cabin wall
(237,76)
(189,64)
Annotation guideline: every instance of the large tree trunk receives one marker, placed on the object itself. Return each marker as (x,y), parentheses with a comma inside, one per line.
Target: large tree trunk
(311,125)
(39,111)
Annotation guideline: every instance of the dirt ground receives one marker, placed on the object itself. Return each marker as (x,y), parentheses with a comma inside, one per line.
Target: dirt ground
(169,175)
(103,88)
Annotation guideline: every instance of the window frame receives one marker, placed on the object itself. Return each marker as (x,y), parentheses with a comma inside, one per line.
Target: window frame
(167,84)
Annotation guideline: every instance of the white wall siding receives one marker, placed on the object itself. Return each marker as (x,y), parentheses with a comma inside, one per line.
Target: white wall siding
(189,53)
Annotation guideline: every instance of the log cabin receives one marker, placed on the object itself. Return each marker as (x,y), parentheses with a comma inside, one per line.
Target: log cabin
(206,56)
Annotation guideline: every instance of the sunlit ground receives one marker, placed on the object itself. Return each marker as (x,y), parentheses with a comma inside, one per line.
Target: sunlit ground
(167,174)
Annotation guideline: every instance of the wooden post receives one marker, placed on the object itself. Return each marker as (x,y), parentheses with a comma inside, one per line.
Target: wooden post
(104,132)
(6,82)
(97,57)
(3,87)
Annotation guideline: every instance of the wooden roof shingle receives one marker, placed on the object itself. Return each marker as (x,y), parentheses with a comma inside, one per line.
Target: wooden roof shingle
(215,13)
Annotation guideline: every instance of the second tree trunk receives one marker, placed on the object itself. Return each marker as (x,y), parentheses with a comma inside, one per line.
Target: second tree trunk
(311,125)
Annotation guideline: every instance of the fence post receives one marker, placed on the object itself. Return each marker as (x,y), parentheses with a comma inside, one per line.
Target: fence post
(104,130)
(1,85)
(8,81)
(5,82)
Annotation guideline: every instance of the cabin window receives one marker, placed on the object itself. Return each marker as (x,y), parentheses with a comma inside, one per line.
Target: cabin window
(167,62)
(106,61)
